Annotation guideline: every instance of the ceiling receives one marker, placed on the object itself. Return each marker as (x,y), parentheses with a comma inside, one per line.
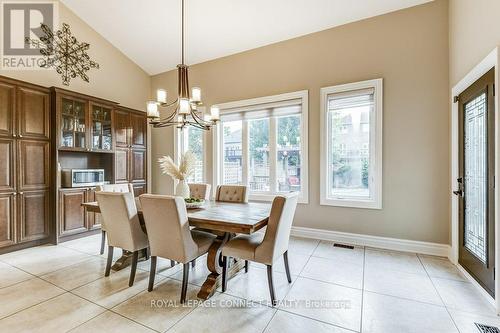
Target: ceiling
(148,31)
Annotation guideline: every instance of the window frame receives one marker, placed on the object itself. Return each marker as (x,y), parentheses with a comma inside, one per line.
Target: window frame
(179,144)
(376,142)
(217,143)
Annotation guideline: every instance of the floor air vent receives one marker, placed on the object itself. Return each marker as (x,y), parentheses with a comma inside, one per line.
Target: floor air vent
(487,329)
(350,247)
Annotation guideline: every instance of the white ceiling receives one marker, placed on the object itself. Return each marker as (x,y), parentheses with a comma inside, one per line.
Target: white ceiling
(148,31)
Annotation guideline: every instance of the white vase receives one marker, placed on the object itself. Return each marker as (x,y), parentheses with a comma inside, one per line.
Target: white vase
(182,189)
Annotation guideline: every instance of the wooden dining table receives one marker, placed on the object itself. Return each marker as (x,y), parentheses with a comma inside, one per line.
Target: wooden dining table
(225,220)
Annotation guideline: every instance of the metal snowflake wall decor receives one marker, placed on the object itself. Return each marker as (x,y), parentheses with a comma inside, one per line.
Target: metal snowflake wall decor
(64,53)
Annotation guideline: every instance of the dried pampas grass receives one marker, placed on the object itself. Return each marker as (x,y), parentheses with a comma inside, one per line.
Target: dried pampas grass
(181,172)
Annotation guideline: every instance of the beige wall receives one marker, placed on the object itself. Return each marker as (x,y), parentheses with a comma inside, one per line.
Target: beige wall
(409,49)
(474,33)
(118,79)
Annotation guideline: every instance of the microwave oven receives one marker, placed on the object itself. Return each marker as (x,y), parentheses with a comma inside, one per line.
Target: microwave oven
(82,177)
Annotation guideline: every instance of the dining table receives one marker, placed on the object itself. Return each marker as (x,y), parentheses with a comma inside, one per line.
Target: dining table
(225,220)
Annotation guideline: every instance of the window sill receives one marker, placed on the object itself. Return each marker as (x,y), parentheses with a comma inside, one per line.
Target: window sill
(270,197)
(349,203)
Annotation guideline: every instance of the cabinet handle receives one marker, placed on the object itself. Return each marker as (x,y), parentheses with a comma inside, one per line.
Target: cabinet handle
(20,136)
(21,193)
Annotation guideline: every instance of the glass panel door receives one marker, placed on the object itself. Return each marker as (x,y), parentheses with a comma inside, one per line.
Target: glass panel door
(101,128)
(73,128)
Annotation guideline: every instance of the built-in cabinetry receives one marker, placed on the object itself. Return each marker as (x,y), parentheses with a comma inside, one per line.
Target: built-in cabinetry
(73,218)
(130,153)
(26,168)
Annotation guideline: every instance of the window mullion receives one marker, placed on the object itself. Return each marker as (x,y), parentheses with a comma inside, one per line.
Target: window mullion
(273,141)
(245,152)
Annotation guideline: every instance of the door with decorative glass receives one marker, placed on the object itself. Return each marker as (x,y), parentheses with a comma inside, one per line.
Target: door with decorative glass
(476,187)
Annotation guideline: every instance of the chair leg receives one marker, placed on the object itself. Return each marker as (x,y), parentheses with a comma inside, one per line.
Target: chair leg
(246,266)
(193,263)
(133,268)
(287,268)
(103,241)
(172,263)
(148,253)
(152,272)
(185,279)
(224,273)
(271,285)
(110,261)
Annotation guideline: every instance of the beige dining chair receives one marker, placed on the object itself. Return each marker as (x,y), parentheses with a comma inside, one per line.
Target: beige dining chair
(169,234)
(232,193)
(123,227)
(126,187)
(199,191)
(265,248)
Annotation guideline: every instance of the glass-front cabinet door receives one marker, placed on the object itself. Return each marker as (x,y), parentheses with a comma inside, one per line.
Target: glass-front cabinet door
(73,124)
(102,129)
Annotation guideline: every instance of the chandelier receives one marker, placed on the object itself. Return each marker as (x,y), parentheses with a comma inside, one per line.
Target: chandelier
(185,110)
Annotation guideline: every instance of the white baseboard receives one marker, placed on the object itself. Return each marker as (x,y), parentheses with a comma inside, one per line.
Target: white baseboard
(405,245)
(480,289)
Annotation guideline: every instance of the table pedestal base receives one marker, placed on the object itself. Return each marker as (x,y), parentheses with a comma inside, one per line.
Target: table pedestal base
(126,260)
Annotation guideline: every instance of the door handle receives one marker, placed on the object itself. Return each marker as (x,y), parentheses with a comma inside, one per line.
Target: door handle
(459,193)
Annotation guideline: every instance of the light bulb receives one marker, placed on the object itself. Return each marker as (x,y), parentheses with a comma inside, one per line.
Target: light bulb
(214,113)
(152,110)
(161,96)
(184,107)
(196,94)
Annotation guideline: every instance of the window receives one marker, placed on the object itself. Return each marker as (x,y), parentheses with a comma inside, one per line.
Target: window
(262,143)
(351,162)
(192,139)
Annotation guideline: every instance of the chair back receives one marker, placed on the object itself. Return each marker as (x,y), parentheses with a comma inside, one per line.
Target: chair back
(123,188)
(168,227)
(278,229)
(122,223)
(200,191)
(232,193)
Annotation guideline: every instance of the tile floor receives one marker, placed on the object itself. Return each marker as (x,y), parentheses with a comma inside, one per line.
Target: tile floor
(63,289)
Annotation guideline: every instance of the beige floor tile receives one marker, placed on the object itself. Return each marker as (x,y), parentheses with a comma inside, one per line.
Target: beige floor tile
(159,309)
(254,285)
(463,296)
(384,314)
(327,250)
(296,261)
(305,246)
(394,261)
(466,321)
(25,294)
(77,275)
(162,266)
(112,290)
(59,314)
(44,259)
(10,275)
(441,268)
(89,244)
(326,302)
(291,323)
(338,270)
(110,322)
(225,314)
(405,285)
(197,275)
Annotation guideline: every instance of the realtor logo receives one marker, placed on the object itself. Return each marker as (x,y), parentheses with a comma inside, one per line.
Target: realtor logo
(21,19)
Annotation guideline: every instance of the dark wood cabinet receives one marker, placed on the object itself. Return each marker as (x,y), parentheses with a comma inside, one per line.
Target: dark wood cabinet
(101,127)
(131,148)
(7,219)
(7,108)
(26,172)
(33,215)
(72,214)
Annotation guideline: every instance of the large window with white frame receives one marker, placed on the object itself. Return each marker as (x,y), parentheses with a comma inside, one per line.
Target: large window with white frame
(262,143)
(351,145)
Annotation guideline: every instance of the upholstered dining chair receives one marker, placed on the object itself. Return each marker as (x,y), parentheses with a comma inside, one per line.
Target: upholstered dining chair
(126,187)
(199,191)
(169,234)
(265,248)
(123,227)
(232,193)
